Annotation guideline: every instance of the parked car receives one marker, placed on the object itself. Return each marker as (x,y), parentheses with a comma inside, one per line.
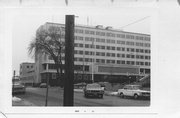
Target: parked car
(43,85)
(79,85)
(18,86)
(133,91)
(93,90)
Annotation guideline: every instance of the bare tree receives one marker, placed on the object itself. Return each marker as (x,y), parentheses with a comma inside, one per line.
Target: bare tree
(49,41)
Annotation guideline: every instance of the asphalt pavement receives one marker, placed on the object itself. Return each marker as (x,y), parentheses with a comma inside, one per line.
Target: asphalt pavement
(36,97)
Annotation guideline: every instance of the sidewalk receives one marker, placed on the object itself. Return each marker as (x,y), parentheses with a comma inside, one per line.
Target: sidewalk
(19,102)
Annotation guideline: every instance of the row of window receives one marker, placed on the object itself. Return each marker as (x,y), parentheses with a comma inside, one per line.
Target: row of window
(137,50)
(112,54)
(110,34)
(110,61)
(76,67)
(111,41)
(112,48)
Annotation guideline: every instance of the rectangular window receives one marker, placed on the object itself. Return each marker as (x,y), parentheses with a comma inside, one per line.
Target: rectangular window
(139,38)
(132,62)
(102,53)
(97,60)
(80,45)
(129,36)
(103,40)
(86,52)
(100,33)
(102,47)
(147,38)
(121,35)
(137,50)
(137,63)
(113,48)
(142,57)
(110,41)
(110,34)
(113,41)
(108,54)
(128,62)
(80,52)
(137,56)
(90,39)
(146,63)
(89,32)
(141,50)
(86,68)
(102,60)
(120,62)
(147,57)
(132,56)
(108,48)
(121,55)
(129,43)
(113,61)
(127,56)
(108,61)
(78,31)
(147,44)
(98,53)
(121,42)
(120,48)
(139,44)
(113,54)
(88,46)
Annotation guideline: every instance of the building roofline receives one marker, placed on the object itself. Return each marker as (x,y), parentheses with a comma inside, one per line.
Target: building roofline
(104,28)
(27,63)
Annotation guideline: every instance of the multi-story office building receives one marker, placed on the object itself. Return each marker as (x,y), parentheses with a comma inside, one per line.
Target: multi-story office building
(101,53)
(27,73)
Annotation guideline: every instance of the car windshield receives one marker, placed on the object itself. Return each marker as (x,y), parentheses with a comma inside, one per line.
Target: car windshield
(136,87)
(93,86)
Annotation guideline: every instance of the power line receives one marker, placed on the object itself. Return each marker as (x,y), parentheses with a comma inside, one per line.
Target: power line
(135,22)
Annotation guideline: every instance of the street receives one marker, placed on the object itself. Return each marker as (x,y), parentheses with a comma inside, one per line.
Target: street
(36,96)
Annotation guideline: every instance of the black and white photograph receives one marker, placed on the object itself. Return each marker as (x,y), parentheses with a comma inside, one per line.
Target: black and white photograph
(108,59)
(89,57)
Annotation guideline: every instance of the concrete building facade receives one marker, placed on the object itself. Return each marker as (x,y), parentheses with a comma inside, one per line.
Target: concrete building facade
(101,54)
(27,73)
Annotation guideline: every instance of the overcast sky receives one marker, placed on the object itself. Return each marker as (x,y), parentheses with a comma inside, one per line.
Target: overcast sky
(103,12)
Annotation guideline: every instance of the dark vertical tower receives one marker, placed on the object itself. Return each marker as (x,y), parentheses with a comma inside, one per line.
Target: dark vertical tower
(69,62)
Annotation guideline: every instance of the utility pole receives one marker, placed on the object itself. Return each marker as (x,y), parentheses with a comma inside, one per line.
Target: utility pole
(69,62)
(47,87)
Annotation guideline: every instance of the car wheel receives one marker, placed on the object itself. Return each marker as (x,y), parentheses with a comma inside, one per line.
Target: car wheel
(136,96)
(121,95)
